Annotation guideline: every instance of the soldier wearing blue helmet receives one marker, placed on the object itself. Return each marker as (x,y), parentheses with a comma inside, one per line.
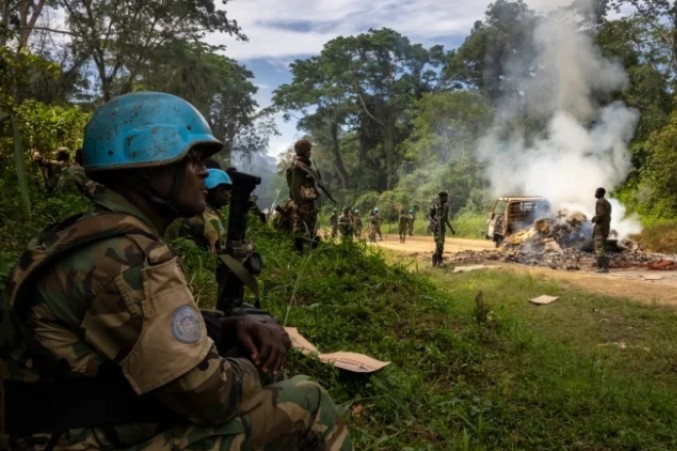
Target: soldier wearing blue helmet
(207,229)
(99,317)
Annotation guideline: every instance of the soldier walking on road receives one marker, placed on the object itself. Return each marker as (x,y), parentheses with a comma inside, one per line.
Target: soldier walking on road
(600,231)
(357,224)
(375,225)
(439,220)
(412,214)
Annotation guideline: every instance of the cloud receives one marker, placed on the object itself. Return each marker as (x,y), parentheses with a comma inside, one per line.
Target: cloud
(298,27)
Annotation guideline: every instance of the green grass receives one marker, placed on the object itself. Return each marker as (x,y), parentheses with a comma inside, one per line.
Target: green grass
(523,377)
(466,225)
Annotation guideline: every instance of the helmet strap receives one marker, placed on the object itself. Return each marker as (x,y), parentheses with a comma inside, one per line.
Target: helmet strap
(166,205)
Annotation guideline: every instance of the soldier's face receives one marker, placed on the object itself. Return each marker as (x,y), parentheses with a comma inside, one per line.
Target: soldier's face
(444,199)
(219,196)
(191,173)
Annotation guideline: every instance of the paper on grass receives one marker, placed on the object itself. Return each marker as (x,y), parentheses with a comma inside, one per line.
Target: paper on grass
(544,300)
(349,361)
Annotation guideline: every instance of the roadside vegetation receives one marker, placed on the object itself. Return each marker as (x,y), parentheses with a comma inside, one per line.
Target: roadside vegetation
(587,372)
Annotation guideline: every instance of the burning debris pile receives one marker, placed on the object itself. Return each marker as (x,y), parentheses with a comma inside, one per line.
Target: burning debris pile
(565,242)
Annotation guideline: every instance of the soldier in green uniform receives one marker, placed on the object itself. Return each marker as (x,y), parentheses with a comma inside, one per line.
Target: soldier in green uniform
(102,344)
(333,221)
(207,229)
(375,225)
(439,220)
(303,190)
(600,232)
(345,224)
(357,224)
(412,214)
(404,223)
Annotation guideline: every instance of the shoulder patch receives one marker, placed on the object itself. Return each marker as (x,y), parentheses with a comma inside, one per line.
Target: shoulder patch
(186,325)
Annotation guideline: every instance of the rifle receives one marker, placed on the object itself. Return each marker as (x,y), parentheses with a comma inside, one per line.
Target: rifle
(319,184)
(239,264)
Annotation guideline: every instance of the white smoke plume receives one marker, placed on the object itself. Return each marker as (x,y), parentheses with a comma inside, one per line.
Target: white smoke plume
(584,145)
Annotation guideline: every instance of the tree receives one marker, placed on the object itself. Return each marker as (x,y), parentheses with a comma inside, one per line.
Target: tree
(366,84)
(120,37)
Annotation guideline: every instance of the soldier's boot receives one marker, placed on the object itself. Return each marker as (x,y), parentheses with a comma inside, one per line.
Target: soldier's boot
(434,259)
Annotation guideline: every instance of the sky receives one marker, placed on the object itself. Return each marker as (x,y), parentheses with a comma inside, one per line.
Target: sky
(280,32)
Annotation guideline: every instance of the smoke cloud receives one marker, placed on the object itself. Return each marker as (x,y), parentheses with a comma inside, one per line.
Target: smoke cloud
(583,145)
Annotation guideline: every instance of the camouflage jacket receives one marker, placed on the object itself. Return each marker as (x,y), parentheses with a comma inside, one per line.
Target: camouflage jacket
(602,218)
(302,181)
(206,229)
(123,300)
(439,218)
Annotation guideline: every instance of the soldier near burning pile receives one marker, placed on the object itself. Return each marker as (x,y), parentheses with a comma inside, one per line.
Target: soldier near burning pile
(98,313)
(600,231)
(439,220)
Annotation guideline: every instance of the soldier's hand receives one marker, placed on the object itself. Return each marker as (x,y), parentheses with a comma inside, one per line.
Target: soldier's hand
(267,343)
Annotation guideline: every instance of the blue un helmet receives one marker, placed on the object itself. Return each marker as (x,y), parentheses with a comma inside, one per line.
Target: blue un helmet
(217,177)
(144,129)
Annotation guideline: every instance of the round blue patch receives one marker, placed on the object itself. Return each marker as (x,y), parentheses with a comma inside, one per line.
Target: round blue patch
(186,325)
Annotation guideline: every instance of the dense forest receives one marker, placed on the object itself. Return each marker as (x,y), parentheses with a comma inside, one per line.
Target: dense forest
(393,121)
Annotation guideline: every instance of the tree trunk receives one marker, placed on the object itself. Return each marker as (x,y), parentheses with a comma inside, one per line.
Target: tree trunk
(338,160)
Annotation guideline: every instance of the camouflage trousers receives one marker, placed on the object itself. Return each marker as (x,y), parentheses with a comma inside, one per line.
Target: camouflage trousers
(600,245)
(439,243)
(403,234)
(304,220)
(296,414)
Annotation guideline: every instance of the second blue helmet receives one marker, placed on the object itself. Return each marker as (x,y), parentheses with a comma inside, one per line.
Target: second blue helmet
(217,177)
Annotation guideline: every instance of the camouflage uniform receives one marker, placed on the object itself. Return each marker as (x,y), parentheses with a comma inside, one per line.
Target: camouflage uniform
(357,226)
(439,219)
(404,223)
(333,221)
(345,225)
(206,229)
(122,301)
(74,179)
(375,226)
(600,231)
(304,193)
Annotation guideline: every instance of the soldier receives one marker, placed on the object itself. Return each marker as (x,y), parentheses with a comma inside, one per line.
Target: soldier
(345,224)
(412,214)
(600,231)
(357,224)
(439,220)
(73,178)
(404,222)
(207,229)
(303,190)
(375,225)
(333,221)
(101,342)
(52,168)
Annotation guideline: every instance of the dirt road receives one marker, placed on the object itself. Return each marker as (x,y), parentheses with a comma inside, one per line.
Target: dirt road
(659,287)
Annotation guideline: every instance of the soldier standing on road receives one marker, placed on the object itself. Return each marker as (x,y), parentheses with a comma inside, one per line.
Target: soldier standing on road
(304,192)
(412,214)
(98,315)
(404,223)
(345,224)
(600,231)
(333,221)
(375,225)
(439,220)
(357,224)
